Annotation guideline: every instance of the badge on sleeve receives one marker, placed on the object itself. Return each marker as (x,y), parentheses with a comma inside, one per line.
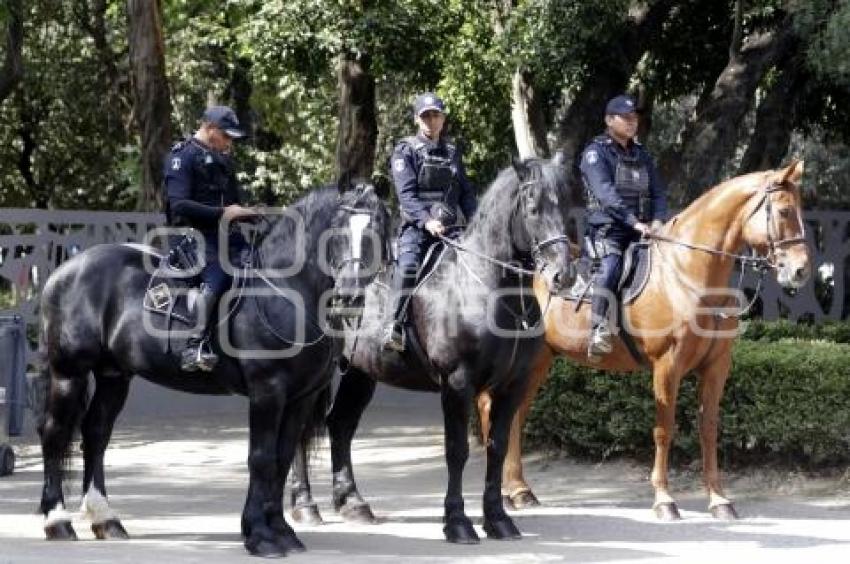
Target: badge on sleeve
(398,165)
(591,157)
(175,163)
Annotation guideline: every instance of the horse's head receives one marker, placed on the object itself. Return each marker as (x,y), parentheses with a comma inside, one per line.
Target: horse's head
(359,247)
(539,223)
(775,228)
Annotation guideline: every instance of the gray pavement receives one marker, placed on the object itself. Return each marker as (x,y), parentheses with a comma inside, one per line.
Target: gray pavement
(179,484)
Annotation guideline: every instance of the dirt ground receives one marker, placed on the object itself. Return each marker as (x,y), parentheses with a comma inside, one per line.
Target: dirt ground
(179,485)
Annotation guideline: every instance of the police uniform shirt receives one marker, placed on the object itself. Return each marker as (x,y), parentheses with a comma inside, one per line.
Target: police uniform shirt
(200,182)
(598,170)
(407,161)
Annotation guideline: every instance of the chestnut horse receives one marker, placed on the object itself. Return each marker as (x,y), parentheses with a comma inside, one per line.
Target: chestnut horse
(682,321)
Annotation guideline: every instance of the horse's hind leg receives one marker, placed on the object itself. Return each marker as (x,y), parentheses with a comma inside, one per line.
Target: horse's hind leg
(456,395)
(355,392)
(711,383)
(497,524)
(65,403)
(110,394)
(304,508)
(516,492)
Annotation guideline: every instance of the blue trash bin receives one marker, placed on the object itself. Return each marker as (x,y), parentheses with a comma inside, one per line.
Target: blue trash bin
(13,367)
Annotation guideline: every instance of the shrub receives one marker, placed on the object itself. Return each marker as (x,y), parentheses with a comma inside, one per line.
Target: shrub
(786,401)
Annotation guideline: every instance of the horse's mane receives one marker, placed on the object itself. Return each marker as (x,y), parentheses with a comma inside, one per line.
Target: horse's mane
(492,220)
(746,184)
(317,208)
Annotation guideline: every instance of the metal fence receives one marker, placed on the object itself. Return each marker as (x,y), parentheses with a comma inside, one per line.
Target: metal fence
(34,242)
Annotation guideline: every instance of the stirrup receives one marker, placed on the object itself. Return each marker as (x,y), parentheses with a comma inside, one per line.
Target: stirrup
(600,343)
(394,337)
(198,359)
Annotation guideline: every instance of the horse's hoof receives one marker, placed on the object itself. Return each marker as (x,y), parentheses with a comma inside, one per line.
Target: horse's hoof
(724,512)
(290,543)
(667,512)
(503,529)
(60,530)
(264,548)
(524,500)
(110,529)
(307,515)
(360,514)
(460,531)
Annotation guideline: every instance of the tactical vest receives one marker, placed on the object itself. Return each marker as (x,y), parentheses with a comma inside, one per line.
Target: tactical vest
(631,179)
(435,180)
(211,173)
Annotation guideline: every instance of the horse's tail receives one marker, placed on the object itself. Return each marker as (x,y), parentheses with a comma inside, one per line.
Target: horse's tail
(316,426)
(45,396)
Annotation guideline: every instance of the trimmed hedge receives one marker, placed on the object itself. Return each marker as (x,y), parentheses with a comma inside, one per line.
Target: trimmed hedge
(786,401)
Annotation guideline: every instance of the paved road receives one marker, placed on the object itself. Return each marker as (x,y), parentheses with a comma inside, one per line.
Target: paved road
(179,486)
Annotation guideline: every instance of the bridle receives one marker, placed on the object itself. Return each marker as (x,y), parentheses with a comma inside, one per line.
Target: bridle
(766,261)
(760,263)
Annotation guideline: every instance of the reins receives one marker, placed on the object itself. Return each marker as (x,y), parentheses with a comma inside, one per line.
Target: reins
(759,263)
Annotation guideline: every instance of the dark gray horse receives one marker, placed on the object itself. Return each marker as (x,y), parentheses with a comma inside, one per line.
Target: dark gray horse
(477,324)
(93,321)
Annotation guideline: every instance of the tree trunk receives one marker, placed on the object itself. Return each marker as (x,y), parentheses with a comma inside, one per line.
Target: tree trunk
(775,120)
(358,127)
(13,64)
(710,139)
(150,95)
(584,117)
(527,116)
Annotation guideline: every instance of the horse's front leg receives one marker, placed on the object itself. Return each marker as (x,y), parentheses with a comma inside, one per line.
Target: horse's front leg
(497,523)
(456,395)
(712,380)
(665,380)
(266,414)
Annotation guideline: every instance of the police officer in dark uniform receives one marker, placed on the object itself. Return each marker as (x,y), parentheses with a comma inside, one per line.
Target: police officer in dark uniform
(431,185)
(202,190)
(626,199)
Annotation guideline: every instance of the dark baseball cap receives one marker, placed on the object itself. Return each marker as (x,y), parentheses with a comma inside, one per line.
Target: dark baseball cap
(621,105)
(225,119)
(428,101)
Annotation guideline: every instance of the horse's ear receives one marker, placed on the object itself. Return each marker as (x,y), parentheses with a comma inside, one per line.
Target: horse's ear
(793,172)
(343,183)
(520,167)
(560,158)
(381,182)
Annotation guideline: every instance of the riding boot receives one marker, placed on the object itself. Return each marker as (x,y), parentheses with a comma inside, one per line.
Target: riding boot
(198,355)
(403,284)
(600,342)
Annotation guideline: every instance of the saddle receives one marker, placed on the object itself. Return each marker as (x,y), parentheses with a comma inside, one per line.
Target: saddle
(174,287)
(433,256)
(637,264)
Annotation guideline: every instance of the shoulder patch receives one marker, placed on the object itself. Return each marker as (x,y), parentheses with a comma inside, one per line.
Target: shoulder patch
(399,165)
(176,163)
(591,157)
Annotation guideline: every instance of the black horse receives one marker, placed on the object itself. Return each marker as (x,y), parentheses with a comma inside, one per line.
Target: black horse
(93,320)
(477,324)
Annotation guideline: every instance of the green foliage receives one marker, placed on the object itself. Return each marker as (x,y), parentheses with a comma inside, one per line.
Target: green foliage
(786,401)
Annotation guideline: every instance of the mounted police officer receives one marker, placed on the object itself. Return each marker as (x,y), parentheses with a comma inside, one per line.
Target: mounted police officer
(626,199)
(431,185)
(202,191)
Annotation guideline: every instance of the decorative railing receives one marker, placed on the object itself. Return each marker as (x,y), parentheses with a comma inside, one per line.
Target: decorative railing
(34,242)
